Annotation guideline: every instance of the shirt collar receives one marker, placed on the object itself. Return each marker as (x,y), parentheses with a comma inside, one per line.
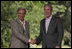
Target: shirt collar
(49,18)
(22,22)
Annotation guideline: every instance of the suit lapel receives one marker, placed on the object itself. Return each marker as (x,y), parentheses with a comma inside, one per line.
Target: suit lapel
(44,26)
(25,25)
(50,25)
(21,26)
(20,23)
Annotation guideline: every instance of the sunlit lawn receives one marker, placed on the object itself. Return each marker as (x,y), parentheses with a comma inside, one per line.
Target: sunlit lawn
(40,46)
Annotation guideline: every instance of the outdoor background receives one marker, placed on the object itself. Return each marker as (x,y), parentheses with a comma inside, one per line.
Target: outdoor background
(35,13)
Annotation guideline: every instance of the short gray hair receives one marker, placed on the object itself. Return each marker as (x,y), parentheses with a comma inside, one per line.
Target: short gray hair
(48,5)
(21,8)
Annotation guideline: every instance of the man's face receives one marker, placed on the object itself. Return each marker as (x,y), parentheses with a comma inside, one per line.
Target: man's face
(47,11)
(21,14)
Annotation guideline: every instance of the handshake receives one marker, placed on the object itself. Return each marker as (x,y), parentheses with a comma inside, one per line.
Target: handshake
(32,41)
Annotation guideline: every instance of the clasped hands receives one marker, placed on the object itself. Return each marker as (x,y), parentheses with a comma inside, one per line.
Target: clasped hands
(32,41)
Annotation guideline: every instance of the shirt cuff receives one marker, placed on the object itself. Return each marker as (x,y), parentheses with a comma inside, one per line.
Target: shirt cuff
(29,40)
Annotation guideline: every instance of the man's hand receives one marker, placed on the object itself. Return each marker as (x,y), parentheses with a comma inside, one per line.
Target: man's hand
(57,47)
(33,41)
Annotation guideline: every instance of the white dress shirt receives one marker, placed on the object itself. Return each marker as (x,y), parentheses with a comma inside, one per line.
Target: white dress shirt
(47,22)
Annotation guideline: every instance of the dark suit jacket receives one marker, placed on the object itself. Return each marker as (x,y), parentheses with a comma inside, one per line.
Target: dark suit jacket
(54,35)
(20,37)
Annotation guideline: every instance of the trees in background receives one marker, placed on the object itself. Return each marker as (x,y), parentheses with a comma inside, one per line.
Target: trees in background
(34,15)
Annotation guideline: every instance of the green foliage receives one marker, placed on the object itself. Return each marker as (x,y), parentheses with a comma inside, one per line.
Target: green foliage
(35,13)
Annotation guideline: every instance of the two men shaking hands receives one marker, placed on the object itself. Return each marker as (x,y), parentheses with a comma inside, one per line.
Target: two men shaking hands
(51,30)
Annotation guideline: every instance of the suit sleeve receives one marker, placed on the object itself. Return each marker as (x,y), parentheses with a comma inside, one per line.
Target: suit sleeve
(39,38)
(16,33)
(60,31)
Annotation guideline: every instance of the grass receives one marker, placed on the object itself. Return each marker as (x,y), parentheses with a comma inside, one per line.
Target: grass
(40,46)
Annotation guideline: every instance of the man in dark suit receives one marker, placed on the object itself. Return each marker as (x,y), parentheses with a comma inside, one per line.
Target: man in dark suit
(51,30)
(20,30)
